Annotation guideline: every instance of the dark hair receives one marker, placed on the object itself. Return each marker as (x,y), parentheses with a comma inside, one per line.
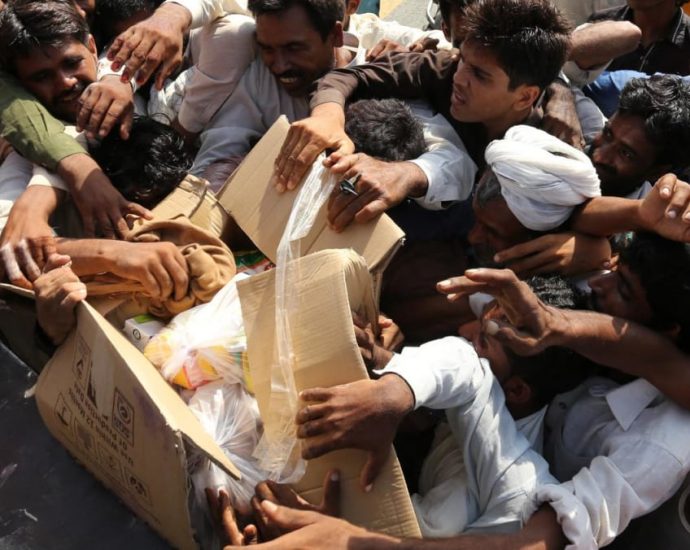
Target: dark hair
(323,14)
(488,188)
(28,25)
(111,12)
(146,167)
(385,129)
(530,38)
(556,369)
(663,268)
(663,102)
(447,7)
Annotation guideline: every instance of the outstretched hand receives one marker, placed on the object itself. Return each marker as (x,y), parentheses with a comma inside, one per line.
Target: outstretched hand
(529,326)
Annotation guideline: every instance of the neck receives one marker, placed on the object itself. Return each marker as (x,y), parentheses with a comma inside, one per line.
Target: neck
(496,128)
(655,21)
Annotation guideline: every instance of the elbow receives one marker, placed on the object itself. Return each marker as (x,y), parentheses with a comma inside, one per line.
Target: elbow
(630,36)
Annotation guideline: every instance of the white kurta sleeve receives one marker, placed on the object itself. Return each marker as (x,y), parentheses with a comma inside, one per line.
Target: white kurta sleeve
(205,11)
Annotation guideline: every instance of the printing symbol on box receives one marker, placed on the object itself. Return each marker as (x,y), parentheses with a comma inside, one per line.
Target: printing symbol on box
(111,463)
(84,436)
(63,412)
(82,362)
(137,487)
(123,417)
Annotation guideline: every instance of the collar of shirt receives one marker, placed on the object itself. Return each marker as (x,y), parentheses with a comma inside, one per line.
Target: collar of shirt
(628,401)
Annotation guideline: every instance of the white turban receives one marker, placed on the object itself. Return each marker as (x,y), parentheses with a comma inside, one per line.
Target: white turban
(542,178)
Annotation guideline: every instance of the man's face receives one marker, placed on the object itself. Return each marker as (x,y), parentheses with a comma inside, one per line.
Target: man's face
(480,86)
(58,76)
(620,293)
(623,155)
(293,50)
(495,229)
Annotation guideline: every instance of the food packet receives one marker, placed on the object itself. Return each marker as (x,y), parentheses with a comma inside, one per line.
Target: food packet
(204,343)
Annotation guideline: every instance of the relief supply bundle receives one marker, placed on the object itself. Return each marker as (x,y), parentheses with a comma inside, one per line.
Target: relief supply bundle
(204,343)
(231,416)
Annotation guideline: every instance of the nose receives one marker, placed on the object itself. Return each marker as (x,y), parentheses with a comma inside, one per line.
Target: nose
(66,80)
(460,76)
(602,153)
(279,63)
(601,283)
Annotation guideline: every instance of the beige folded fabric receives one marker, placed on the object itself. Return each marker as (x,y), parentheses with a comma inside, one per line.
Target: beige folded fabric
(211,265)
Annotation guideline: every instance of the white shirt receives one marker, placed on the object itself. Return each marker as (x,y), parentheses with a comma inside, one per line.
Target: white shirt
(502,470)
(624,449)
(371,29)
(257,102)
(205,11)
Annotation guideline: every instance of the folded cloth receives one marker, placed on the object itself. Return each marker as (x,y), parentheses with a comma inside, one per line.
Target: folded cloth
(542,178)
(211,265)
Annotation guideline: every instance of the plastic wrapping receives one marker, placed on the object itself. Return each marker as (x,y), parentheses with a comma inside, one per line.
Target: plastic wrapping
(231,416)
(279,451)
(204,343)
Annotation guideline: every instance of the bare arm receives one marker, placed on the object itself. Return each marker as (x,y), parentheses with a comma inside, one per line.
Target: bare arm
(597,44)
(311,530)
(665,210)
(609,341)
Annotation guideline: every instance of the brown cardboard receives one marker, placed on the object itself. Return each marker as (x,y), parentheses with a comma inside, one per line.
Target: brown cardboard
(262,213)
(331,284)
(103,400)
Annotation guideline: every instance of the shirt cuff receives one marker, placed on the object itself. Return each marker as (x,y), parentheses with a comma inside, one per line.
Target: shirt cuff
(328,96)
(414,375)
(570,512)
(50,151)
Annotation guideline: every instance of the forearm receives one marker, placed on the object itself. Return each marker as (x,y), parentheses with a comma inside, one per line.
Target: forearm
(604,216)
(38,202)
(401,75)
(31,129)
(598,43)
(629,348)
(91,256)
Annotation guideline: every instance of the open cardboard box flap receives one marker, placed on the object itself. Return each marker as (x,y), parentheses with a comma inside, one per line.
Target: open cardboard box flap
(328,286)
(103,400)
(262,213)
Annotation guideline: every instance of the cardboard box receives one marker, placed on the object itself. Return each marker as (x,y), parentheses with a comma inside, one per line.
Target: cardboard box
(114,412)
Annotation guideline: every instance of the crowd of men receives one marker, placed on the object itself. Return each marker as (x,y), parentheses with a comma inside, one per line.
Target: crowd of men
(541,303)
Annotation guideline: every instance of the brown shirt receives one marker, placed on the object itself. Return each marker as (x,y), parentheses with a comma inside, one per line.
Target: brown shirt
(669,55)
(427,75)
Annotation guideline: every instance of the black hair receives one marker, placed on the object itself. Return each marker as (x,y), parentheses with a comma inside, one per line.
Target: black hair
(663,102)
(385,129)
(111,12)
(530,38)
(146,167)
(447,7)
(663,268)
(28,25)
(323,14)
(556,369)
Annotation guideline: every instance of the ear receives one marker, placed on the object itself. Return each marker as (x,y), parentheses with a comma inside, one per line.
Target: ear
(526,96)
(91,44)
(518,392)
(337,34)
(352,6)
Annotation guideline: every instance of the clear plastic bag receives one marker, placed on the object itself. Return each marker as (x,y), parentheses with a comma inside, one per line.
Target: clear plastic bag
(231,416)
(204,343)
(279,451)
